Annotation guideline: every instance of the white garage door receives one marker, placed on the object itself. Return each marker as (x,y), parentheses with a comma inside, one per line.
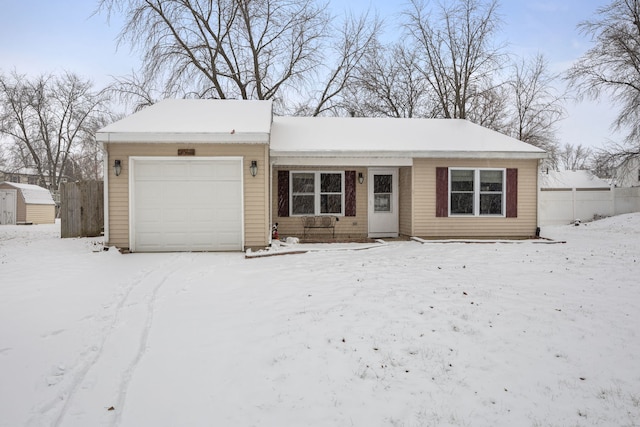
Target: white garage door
(186,205)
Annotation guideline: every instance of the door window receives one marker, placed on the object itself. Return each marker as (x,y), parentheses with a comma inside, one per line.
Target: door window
(382,185)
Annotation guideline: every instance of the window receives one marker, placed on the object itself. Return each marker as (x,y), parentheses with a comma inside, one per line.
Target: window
(317,193)
(382,192)
(476,191)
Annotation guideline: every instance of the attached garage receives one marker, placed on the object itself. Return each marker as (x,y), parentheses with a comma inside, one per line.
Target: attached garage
(186,204)
(188,175)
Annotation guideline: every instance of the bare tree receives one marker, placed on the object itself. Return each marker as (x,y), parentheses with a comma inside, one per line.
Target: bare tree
(388,85)
(454,42)
(223,49)
(490,107)
(48,120)
(537,106)
(612,65)
(575,157)
(350,42)
(134,89)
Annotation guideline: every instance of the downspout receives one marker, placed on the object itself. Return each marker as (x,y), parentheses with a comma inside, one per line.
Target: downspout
(105,174)
(270,203)
(538,172)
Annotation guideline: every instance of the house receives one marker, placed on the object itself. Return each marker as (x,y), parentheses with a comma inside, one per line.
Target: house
(567,196)
(25,204)
(188,175)
(28,176)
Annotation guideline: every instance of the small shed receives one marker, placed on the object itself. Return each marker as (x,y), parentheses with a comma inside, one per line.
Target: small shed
(26,204)
(567,196)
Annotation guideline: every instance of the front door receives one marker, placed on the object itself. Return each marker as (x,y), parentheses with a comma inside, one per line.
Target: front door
(383,202)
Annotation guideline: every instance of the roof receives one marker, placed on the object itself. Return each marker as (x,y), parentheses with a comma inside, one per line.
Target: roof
(194,120)
(392,137)
(306,138)
(33,194)
(571,179)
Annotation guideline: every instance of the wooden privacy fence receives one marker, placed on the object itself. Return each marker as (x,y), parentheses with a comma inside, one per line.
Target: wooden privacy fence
(81,209)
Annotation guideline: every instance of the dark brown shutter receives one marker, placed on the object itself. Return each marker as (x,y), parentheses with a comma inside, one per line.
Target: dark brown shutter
(283,193)
(350,193)
(512,193)
(442,192)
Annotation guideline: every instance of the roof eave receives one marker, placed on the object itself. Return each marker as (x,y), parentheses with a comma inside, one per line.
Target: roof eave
(177,137)
(411,154)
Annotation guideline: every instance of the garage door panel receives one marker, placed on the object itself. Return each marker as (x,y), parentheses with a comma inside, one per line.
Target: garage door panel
(148,193)
(175,171)
(202,216)
(144,216)
(176,217)
(187,205)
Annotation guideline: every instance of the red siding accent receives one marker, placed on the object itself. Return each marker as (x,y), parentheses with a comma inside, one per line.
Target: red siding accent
(442,192)
(283,193)
(350,193)
(512,193)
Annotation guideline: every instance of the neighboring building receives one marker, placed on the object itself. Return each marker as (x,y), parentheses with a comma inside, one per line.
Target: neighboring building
(25,204)
(21,176)
(27,176)
(627,174)
(185,175)
(568,196)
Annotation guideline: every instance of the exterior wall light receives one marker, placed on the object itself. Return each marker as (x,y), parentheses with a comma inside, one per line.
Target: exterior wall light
(360,177)
(253,169)
(117,167)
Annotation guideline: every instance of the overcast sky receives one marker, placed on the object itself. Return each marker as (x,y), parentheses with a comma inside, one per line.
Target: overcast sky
(38,36)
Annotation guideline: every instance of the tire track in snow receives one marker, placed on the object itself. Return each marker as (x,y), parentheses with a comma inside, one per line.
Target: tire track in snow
(142,349)
(88,360)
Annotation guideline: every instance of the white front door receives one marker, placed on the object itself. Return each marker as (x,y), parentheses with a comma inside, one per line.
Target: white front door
(383,202)
(8,207)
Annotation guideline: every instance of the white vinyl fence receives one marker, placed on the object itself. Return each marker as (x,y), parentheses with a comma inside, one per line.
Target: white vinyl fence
(565,205)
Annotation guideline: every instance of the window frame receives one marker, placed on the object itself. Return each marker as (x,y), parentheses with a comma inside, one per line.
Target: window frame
(317,193)
(477,192)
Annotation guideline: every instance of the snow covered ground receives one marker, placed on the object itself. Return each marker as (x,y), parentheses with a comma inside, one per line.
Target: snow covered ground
(402,334)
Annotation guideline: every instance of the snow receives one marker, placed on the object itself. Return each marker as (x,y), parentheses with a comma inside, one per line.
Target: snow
(194,120)
(397,334)
(571,179)
(374,137)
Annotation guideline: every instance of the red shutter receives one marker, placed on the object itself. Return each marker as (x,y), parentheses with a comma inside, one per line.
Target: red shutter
(350,193)
(283,193)
(442,192)
(512,193)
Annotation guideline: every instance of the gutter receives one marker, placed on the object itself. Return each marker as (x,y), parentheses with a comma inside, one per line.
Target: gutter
(105,195)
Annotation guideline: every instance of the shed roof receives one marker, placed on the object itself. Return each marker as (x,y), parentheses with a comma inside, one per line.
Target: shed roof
(391,137)
(33,194)
(571,179)
(194,120)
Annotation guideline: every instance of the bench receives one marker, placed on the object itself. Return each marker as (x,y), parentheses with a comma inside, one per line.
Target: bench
(318,222)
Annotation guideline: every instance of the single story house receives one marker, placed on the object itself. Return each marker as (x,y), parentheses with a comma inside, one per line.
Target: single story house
(26,204)
(215,175)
